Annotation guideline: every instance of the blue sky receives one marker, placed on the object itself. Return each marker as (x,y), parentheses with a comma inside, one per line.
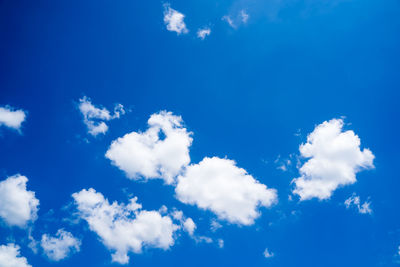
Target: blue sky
(275,132)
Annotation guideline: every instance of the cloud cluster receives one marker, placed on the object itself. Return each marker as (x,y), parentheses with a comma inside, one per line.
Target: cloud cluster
(174,20)
(60,246)
(354,201)
(214,184)
(95,117)
(160,152)
(229,191)
(124,228)
(18,206)
(334,158)
(10,256)
(12,118)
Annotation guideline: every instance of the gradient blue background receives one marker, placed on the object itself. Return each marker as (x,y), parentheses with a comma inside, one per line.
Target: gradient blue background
(244,93)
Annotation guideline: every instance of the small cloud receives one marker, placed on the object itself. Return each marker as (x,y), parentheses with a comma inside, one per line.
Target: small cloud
(174,20)
(95,117)
(244,16)
(12,118)
(354,201)
(18,206)
(60,246)
(268,254)
(215,225)
(203,33)
(229,21)
(220,243)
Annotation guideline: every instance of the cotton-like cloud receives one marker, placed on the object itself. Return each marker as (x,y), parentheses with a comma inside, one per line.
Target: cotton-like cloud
(268,254)
(354,201)
(124,228)
(95,117)
(60,246)
(160,152)
(334,158)
(203,33)
(18,206)
(174,20)
(229,191)
(10,256)
(12,118)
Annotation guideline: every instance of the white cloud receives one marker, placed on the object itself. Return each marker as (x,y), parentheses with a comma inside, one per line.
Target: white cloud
(94,117)
(215,225)
(203,33)
(220,243)
(189,226)
(124,228)
(17,205)
(148,155)
(12,118)
(334,159)
(220,186)
(229,20)
(186,223)
(10,256)
(244,16)
(354,200)
(60,246)
(268,254)
(174,20)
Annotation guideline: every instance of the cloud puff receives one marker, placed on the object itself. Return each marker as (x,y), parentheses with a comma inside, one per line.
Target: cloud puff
(174,20)
(354,200)
(17,205)
(268,254)
(10,256)
(203,33)
(94,117)
(60,246)
(220,186)
(124,228)
(149,155)
(334,159)
(12,118)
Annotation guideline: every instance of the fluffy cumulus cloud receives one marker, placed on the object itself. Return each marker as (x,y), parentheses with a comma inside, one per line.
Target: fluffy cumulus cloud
(174,20)
(334,158)
(229,191)
(10,256)
(60,246)
(160,152)
(203,33)
(354,201)
(12,118)
(18,206)
(95,117)
(124,228)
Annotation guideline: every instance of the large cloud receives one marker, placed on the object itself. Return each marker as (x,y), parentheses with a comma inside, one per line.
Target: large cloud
(124,228)
(174,20)
(17,205)
(11,118)
(229,191)
(334,159)
(95,117)
(10,256)
(148,155)
(60,246)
